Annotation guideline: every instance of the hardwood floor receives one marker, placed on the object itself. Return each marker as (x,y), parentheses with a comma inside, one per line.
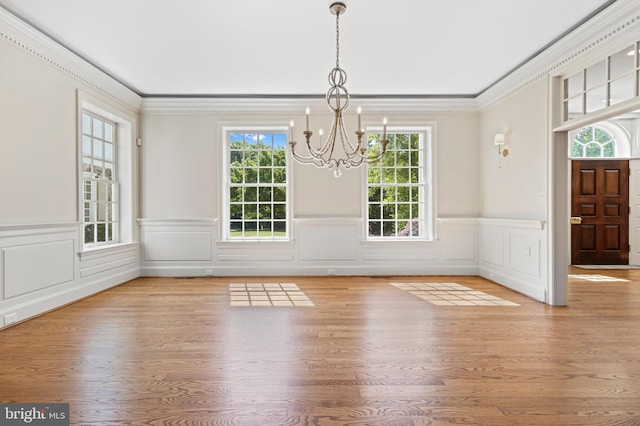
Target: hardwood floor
(161,351)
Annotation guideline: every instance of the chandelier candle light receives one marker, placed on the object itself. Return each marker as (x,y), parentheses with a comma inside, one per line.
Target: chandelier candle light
(338,100)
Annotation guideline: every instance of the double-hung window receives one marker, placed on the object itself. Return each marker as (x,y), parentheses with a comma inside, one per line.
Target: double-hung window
(256,191)
(399,200)
(99,180)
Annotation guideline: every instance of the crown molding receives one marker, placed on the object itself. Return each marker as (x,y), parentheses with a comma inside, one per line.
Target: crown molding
(606,33)
(613,28)
(296,105)
(25,37)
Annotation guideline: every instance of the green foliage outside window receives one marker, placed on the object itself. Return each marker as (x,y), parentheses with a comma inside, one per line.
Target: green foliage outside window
(257,190)
(394,187)
(593,142)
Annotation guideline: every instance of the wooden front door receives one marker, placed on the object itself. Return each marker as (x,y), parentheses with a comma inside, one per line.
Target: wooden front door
(600,212)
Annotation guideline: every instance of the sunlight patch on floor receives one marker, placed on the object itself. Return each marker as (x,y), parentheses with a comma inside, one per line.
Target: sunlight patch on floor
(267,294)
(596,278)
(452,294)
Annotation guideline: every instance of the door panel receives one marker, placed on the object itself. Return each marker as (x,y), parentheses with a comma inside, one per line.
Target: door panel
(612,182)
(600,198)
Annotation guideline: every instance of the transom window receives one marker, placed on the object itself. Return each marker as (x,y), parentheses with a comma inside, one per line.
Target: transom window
(605,139)
(608,82)
(593,142)
(257,190)
(399,196)
(100,185)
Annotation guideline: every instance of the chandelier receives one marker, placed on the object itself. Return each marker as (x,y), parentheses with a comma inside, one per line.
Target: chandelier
(348,155)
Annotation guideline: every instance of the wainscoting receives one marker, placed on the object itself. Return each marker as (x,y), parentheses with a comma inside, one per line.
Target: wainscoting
(510,252)
(514,254)
(41,269)
(320,246)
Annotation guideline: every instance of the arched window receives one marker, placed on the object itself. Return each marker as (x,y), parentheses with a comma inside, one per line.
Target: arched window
(603,140)
(593,142)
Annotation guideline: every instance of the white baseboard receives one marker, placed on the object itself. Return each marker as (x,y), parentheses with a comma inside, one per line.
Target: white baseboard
(42,304)
(328,270)
(521,286)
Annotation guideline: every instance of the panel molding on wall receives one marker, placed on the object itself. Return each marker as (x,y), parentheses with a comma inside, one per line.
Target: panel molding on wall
(178,246)
(514,254)
(32,267)
(492,248)
(459,238)
(525,255)
(333,240)
(320,246)
(175,247)
(41,268)
(36,257)
(105,260)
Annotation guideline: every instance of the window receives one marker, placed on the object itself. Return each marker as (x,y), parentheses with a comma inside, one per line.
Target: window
(593,142)
(399,199)
(257,190)
(605,139)
(609,82)
(99,180)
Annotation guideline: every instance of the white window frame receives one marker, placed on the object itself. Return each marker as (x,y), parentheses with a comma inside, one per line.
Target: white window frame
(124,169)
(102,206)
(427,213)
(225,229)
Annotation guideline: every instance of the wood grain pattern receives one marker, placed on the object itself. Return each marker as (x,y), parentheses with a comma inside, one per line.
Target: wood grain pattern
(162,351)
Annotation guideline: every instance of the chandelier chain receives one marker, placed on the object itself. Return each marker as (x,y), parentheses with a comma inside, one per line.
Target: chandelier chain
(338,40)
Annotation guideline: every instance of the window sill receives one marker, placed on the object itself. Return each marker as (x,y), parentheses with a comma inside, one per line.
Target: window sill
(248,242)
(98,251)
(398,241)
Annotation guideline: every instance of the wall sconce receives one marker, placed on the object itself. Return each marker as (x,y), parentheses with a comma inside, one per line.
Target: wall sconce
(499,140)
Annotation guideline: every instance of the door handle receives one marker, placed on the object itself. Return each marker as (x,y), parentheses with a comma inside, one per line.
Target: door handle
(575,220)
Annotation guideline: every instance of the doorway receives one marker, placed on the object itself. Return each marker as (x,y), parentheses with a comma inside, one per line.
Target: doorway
(600,212)
(600,192)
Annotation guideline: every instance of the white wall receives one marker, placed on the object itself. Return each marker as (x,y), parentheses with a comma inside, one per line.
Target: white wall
(42,263)
(513,234)
(37,150)
(180,166)
(518,188)
(459,171)
(181,206)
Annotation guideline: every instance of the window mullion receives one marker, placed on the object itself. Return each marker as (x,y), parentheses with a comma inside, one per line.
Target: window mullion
(260,158)
(395,212)
(103,196)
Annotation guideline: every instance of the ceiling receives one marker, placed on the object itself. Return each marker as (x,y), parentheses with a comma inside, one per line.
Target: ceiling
(287,47)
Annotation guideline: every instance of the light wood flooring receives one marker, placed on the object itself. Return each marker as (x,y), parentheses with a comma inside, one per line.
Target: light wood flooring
(164,351)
